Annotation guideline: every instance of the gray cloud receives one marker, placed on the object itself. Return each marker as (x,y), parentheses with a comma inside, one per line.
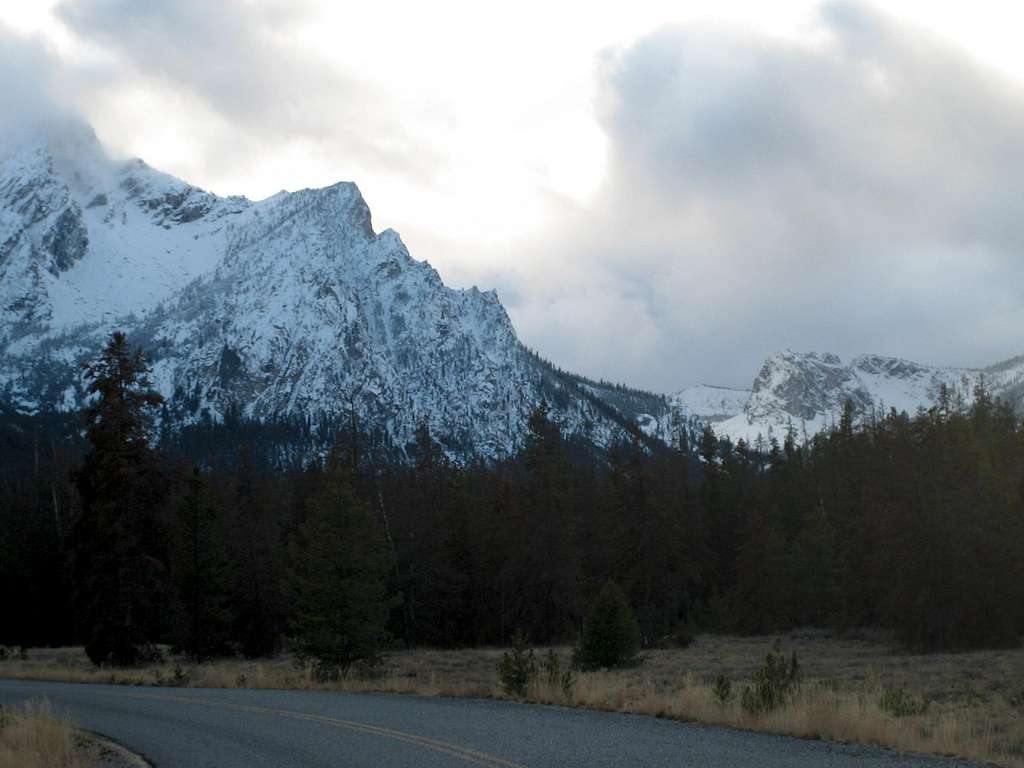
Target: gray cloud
(860,194)
(30,81)
(238,59)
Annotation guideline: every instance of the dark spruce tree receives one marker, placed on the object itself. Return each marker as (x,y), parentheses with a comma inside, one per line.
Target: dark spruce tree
(257,600)
(544,559)
(37,502)
(118,560)
(611,636)
(339,566)
(432,550)
(199,572)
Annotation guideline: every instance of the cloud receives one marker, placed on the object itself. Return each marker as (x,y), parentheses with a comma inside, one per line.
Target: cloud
(240,61)
(30,81)
(861,192)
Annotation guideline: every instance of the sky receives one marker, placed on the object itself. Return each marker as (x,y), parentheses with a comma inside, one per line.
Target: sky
(662,193)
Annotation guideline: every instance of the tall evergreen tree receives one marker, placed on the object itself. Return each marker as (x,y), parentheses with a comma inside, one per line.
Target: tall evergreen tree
(339,565)
(432,548)
(544,556)
(118,558)
(199,572)
(255,546)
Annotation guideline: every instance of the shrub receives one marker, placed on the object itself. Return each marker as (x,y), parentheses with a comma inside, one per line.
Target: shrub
(551,666)
(899,703)
(773,685)
(19,652)
(181,676)
(568,684)
(517,670)
(683,636)
(1016,699)
(611,636)
(722,690)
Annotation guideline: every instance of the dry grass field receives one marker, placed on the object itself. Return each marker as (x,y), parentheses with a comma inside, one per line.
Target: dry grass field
(33,736)
(969,704)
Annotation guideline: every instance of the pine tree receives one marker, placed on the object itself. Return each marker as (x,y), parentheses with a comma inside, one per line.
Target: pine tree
(763,598)
(200,572)
(433,572)
(816,580)
(545,558)
(651,555)
(255,548)
(117,557)
(339,566)
(846,419)
(611,635)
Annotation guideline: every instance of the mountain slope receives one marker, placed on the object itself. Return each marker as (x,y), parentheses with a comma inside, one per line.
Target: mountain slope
(710,404)
(291,306)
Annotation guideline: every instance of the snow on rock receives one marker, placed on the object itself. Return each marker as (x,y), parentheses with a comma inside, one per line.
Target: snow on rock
(806,392)
(145,234)
(295,306)
(710,403)
(288,306)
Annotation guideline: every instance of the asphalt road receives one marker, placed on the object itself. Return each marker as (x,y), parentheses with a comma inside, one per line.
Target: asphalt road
(200,728)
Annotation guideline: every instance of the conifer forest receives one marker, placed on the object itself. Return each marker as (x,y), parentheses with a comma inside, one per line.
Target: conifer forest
(217,540)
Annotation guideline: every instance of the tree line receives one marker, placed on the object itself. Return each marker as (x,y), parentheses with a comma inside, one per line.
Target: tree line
(913,524)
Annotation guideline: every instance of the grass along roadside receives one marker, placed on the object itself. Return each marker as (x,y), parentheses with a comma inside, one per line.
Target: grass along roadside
(853,689)
(34,736)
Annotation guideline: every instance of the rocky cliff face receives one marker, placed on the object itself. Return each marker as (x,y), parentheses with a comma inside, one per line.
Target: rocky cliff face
(292,305)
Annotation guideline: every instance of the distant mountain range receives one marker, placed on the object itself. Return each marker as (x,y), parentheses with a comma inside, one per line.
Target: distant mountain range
(806,392)
(294,306)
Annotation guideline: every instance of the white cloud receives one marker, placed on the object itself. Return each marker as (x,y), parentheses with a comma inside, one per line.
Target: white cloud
(856,194)
(655,207)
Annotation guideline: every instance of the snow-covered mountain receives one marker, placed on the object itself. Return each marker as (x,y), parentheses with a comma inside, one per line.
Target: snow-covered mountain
(294,306)
(290,306)
(710,404)
(807,391)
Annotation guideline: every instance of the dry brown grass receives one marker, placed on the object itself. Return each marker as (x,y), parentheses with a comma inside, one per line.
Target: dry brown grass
(35,737)
(975,700)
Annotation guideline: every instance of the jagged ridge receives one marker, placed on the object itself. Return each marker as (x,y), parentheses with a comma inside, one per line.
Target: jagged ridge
(292,305)
(807,392)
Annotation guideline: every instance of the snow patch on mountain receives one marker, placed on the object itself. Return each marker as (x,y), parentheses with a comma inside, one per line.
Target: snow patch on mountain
(146,234)
(710,403)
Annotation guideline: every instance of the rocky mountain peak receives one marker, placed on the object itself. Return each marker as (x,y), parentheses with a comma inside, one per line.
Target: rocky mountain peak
(290,307)
(807,391)
(803,386)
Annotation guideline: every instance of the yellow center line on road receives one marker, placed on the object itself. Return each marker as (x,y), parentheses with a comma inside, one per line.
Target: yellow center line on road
(468,755)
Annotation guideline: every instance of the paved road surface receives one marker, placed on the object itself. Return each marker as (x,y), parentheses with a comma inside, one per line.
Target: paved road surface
(203,728)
